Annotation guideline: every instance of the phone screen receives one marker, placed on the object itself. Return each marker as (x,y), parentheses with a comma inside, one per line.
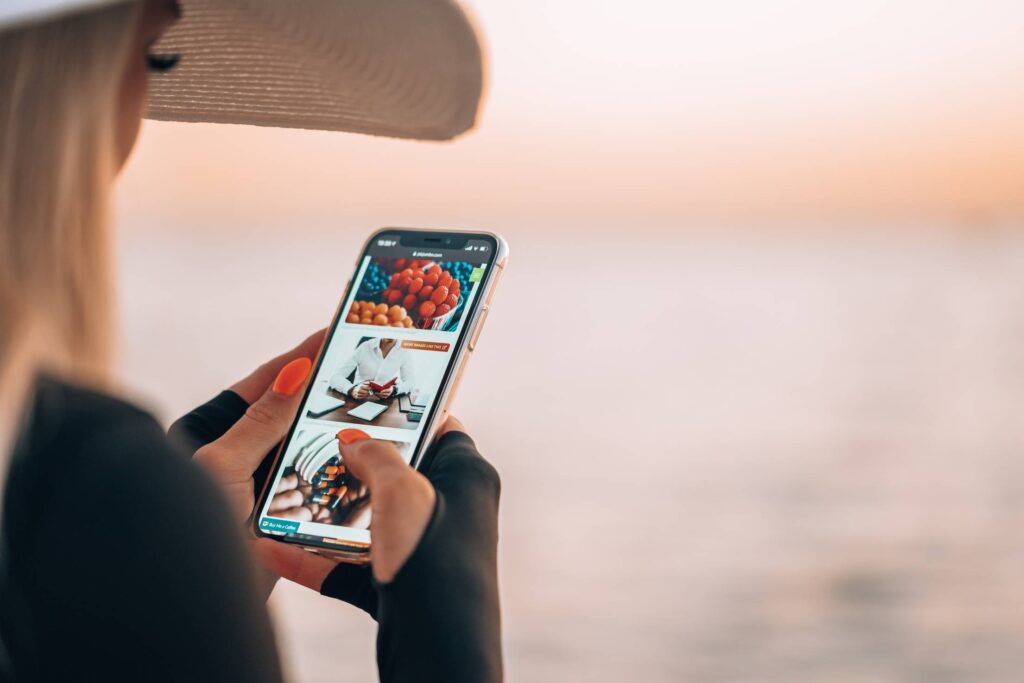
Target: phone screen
(388,356)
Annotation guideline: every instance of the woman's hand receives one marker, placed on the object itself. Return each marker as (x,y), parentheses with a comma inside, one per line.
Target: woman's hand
(386,393)
(361,391)
(434,558)
(401,500)
(273,392)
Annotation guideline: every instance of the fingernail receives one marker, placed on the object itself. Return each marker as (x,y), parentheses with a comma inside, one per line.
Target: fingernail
(347,436)
(292,376)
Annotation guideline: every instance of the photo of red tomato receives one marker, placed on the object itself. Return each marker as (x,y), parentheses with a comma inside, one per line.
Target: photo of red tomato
(428,295)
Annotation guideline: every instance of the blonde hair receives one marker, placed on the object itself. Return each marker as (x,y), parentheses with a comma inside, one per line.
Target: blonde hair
(59,88)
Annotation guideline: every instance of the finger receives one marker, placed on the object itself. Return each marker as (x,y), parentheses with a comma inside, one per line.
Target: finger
(285,500)
(427,463)
(256,384)
(401,498)
(288,482)
(297,514)
(266,579)
(237,454)
(460,472)
(293,563)
(373,461)
(452,424)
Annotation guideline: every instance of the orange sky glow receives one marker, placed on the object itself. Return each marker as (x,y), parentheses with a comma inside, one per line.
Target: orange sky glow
(658,112)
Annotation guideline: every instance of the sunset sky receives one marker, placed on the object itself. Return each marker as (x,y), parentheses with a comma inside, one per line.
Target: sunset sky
(658,112)
(806,439)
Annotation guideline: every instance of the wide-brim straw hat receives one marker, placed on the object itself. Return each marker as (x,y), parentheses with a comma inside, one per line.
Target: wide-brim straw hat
(397,68)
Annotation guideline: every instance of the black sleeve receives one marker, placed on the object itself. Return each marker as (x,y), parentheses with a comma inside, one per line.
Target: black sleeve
(140,572)
(440,618)
(208,422)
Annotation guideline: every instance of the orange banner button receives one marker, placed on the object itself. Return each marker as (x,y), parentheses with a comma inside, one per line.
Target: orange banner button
(424,345)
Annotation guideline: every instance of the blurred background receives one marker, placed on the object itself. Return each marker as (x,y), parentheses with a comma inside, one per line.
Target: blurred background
(753,378)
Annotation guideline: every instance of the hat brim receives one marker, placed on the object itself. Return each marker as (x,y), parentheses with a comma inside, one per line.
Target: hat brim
(395,68)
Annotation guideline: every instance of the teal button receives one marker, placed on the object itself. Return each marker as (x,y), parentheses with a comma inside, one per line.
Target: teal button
(281,525)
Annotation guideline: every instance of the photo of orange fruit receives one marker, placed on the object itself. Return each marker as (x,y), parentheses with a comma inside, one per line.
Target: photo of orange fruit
(380,314)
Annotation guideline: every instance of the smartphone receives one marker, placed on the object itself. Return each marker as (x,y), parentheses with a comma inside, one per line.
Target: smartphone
(389,366)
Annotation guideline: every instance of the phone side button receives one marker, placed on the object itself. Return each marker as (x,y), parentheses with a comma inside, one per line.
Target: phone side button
(479,326)
(493,286)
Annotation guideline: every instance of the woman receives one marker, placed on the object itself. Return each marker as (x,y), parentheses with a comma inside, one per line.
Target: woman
(380,360)
(120,559)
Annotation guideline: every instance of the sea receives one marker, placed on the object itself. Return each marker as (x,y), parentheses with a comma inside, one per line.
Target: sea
(734,455)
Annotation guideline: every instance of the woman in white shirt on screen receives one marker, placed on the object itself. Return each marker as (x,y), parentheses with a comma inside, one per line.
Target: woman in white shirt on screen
(376,360)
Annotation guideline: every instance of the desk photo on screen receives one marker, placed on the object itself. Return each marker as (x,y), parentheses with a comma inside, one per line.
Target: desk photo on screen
(379,381)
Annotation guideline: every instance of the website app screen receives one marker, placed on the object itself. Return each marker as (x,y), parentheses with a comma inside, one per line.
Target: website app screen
(381,372)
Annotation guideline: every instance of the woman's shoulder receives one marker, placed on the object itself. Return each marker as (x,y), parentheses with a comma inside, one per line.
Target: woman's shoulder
(104,518)
(69,424)
(81,450)
(76,406)
(93,462)
(84,456)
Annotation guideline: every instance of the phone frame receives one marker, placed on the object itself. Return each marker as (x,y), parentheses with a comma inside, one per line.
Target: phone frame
(352,551)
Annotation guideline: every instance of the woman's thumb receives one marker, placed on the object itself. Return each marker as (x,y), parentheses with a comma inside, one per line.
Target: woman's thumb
(266,421)
(370,460)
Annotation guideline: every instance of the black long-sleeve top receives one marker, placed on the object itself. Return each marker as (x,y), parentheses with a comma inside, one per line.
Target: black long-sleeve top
(119,561)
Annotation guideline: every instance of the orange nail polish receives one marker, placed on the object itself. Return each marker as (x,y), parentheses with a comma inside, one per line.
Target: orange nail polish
(292,376)
(347,436)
